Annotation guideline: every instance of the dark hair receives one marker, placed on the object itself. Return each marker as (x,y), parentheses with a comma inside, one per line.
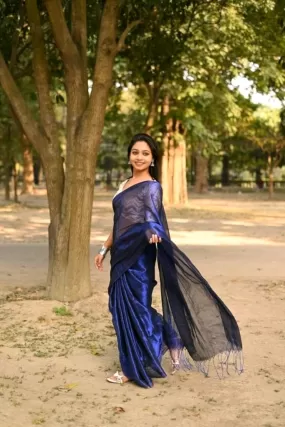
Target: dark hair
(153,170)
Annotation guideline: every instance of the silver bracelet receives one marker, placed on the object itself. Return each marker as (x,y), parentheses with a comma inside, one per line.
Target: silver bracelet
(103,251)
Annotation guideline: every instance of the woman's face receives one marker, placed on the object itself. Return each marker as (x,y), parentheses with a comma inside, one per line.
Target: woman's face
(141,156)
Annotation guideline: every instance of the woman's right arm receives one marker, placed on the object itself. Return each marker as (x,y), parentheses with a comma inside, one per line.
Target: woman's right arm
(109,241)
(98,260)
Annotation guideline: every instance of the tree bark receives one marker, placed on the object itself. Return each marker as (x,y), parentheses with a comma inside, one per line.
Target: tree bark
(28,167)
(69,272)
(8,160)
(73,54)
(201,178)
(226,171)
(258,178)
(164,168)
(180,194)
(37,167)
(109,179)
(165,151)
(15,183)
(173,164)
(7,178)
(270,176)
(153,93)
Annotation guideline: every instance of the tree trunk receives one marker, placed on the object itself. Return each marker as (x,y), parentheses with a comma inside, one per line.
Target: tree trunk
(69,241)
(109,179)
(201,181)
(193,168)
(270,177)
(153,93)
(7,178)
(179,187)
(151,116)
(226,171)
(271,184)
(173,165)
(164,164)
(174,179)
(69,269)
(171,162)
(8,160)
(15,183)
(37,168)
(164,168)
(28,168)
(70,196)
(210,171)
(258,178)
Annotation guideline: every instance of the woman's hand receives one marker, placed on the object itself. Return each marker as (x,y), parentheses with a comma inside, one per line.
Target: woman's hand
(98,261)
(155,239)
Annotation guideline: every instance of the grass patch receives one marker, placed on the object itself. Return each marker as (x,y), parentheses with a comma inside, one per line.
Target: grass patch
(38,421)
(62,311)
(96,350)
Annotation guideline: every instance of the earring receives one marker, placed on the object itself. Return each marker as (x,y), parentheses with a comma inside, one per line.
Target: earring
(129,162)
(152,163)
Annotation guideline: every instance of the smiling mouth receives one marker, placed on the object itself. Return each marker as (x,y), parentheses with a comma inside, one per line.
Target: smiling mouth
(139,163)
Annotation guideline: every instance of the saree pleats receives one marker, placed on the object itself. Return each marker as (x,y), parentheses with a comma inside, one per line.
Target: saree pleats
(138,326)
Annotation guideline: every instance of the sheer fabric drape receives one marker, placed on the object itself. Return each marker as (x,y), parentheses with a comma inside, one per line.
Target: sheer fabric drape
(195,325)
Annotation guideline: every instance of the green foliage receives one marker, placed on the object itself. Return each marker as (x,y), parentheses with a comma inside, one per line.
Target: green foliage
(188,50)
(9,20)
(258,143)
(124,118)
(62,311)
(192,52)
(10,148)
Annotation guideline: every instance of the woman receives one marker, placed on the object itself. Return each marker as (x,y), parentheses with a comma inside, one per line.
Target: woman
(196,326)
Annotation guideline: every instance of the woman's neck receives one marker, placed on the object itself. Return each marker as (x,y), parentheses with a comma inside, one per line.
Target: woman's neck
(141,176)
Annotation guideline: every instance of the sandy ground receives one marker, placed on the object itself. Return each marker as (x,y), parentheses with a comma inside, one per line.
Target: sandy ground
(53,367)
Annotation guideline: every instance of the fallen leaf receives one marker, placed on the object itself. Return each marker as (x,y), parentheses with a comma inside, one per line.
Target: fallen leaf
(67,387)
(118,409)
(70,386)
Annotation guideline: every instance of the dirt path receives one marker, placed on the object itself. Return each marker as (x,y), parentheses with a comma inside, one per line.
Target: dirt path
(53,366)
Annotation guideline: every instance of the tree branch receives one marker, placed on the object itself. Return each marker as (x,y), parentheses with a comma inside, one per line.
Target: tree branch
(19,106)
(61,32)
(153,93)
(41,73)
(75,69)
(79,36)
(79,27)
(106,52)
(121,43)
(149,89)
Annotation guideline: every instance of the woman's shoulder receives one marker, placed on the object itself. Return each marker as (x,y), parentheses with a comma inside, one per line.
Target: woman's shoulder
(155,184)
(121,186)
(153,187)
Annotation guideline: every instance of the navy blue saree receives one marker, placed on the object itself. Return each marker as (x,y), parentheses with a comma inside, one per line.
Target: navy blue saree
(196,324)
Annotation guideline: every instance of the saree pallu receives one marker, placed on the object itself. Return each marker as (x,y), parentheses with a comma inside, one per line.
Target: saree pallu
(195,323)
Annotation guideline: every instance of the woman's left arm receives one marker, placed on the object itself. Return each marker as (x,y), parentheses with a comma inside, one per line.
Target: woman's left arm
(153,201)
